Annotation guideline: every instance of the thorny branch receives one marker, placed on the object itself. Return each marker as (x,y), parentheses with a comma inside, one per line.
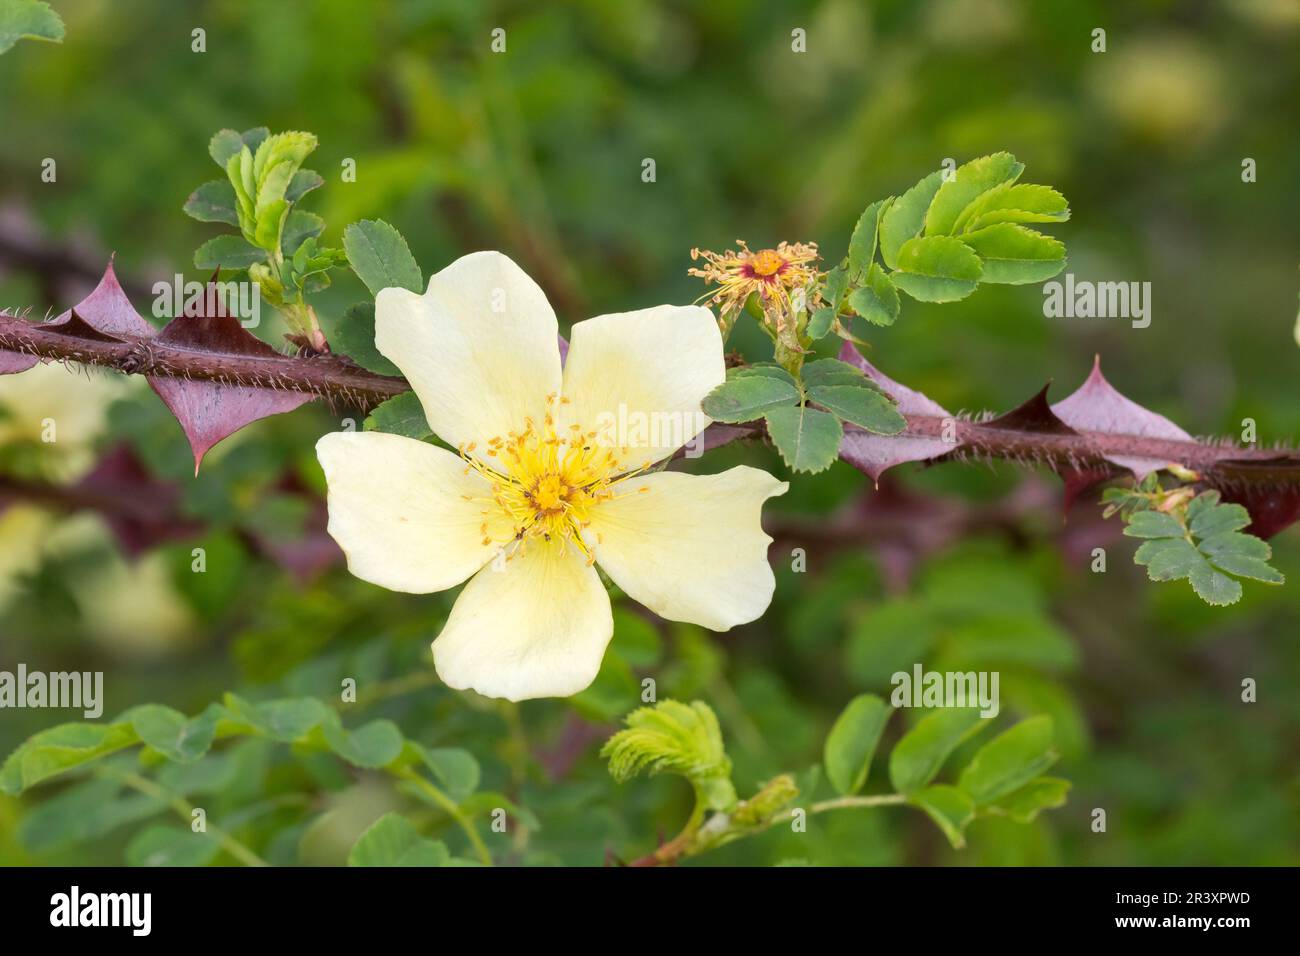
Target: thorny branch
(339,381)
(1090,450)
(325,376)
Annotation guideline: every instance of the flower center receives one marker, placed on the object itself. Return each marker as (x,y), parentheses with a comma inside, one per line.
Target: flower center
(550,494)
(544,484)
(766,262)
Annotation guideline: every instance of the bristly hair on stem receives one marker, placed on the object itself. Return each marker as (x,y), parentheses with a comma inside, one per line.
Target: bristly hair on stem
(336,380)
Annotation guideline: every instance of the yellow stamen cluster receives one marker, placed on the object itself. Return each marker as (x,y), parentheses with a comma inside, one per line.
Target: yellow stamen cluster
(774,274)
(545,482)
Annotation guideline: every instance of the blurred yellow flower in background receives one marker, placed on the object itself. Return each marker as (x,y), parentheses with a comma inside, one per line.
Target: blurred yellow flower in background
(57,413)
(50,420)
(1165,90)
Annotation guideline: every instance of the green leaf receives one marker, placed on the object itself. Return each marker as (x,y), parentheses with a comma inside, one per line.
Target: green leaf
(852,742)
(228,253)
(228,143)
(832,293)
(171,733)
(454,769)
(918,757)
(239,170)
(826,372)
(1220,548)
(308,267)
(1213,587)
(1013,202)
(836,284)
(1043,793)
(372,745)
(274,165)
(1223,551)
(393,841)
(1015,255)
(300,226)
(1168,559)
(808,439)
(1237,544)
(255,137)
(380,257)
(862,244)
(760,369)
(269,219)
(1009,760)
(1216,519)
(214,201)
(949,808)
(748,393)
(905,217)
(1205,501)
(970,181)
(354,336)
(286,720)
(224,146)
(864,407)
(276,158)
(171,846)
(401,415)
(877,301)
(28,20)
(937,269)
(1154,524)
(82,811)
(63,747)
(1244,566)
(215,772)
(303,182)
(820,323)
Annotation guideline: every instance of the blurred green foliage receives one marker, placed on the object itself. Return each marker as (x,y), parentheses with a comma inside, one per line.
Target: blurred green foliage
(538,152)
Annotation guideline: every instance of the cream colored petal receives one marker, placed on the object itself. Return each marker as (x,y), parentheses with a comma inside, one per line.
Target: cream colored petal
(690,547)
(398,509)
(535,625)
(480,347)
(637,379)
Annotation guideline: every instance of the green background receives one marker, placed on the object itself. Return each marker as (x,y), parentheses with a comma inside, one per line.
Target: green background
(538,152)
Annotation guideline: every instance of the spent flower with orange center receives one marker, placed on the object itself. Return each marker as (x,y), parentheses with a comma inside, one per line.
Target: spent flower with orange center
(777,276)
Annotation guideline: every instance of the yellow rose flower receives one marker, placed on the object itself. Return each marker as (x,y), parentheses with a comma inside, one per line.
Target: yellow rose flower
(60,411)
(552,478)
